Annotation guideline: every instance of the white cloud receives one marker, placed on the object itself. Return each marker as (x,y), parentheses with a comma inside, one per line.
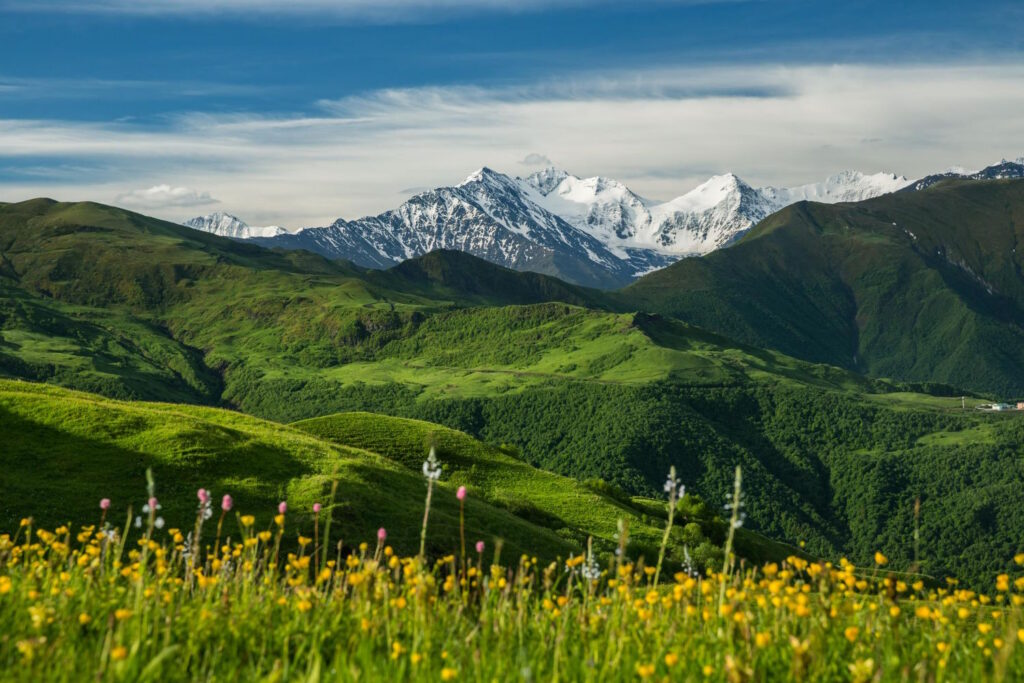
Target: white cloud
(535,159)
(660,131)
(165,196)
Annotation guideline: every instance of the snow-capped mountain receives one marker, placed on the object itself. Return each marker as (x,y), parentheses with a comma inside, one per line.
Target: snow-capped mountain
(702,220)
(592,231)
(226,225)
(489,215)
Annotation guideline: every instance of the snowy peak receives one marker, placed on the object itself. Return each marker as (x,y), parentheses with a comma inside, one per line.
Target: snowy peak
(847,186)
(226,225)
(548,179)
(709,194)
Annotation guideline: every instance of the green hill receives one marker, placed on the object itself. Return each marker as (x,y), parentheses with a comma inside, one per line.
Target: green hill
(65,450)
(921,286)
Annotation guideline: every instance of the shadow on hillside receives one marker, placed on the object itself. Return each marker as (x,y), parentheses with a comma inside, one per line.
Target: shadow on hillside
(57,475)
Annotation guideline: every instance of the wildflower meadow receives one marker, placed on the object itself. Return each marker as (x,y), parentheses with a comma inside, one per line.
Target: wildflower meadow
(242,595)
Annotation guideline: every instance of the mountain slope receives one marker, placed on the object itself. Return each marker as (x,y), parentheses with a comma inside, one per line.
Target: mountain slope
(458,276)
(922,286)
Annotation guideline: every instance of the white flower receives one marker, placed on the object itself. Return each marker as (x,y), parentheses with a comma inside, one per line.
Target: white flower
(159,523)
(138,522)
(673,487)
(688,563)
(431,467)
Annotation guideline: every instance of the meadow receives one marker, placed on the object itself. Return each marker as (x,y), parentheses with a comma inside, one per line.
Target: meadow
(245,595)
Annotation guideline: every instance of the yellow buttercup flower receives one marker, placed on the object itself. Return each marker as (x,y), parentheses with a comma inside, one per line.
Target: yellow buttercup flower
(645,670)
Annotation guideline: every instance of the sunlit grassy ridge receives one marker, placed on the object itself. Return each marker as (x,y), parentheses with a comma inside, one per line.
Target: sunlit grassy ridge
(148,605)
(63,447)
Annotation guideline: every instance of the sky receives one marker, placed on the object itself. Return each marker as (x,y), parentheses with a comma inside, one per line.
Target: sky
(297,113)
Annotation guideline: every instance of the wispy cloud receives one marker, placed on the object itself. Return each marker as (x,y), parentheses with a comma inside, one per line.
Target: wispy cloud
(373,10)
(164,197)
(659,130)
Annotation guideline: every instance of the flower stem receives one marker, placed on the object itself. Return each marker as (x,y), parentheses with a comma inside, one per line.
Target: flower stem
(426,515)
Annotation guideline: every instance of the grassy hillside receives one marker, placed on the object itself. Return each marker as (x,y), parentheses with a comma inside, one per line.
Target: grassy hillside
(66,450)
(574,509)
(921,286)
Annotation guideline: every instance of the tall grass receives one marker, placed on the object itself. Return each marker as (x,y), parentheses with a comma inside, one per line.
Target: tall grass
(138,604)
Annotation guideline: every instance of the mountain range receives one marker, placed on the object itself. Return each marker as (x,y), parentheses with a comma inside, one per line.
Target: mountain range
(590,231)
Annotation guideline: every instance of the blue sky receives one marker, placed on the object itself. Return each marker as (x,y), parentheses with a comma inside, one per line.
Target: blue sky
(300,112)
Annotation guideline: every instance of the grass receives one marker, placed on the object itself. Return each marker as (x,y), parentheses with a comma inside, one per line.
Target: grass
(145,604)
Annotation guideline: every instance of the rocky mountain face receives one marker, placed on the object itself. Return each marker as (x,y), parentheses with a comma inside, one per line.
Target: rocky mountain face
(489,215)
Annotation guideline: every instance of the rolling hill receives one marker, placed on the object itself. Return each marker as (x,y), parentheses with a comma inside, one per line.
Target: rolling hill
(66,450)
